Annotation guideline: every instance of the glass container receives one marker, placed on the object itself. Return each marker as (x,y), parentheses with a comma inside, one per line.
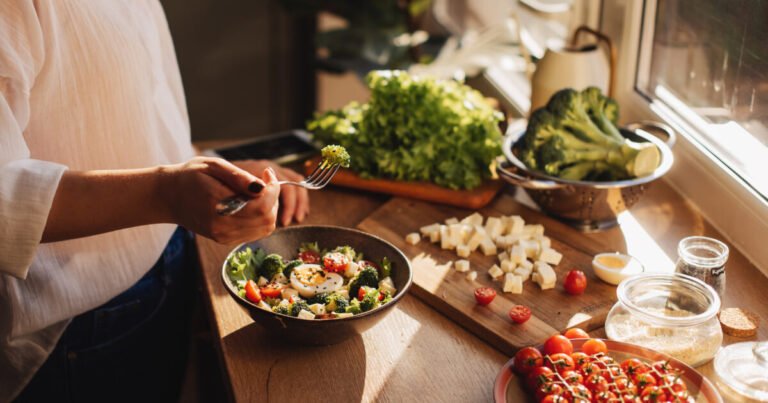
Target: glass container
(703,258)
(671,313)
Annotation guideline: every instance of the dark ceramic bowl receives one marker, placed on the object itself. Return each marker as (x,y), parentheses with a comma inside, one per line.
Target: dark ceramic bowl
(285,242)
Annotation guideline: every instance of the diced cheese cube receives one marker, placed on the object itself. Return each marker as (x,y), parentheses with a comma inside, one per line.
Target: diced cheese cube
(495,272)
(262,281)
(526,264)
(305,314)
(523,273)
(550,256)
(533,230)
(466,233)
(413,238)
(531,248)
(504,255)
(473,219)
(472,276)
(462,251)
(452,220)
(516,225)
(476,238)
(317,309)
(264,305)
(488,247)
(344,315)
(352,269)
(289,292)
(343,292)
(545,242)
(513,284)
(280,278)
(455,231)
(547,286)
(461,265)
(493,227)
(427,229)
(434,236)
(387,285)
(517,254)
(535,278)
(445,238)
(507,266)
(546,275)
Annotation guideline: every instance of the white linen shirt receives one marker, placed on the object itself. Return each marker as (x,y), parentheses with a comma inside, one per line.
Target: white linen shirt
(84,84)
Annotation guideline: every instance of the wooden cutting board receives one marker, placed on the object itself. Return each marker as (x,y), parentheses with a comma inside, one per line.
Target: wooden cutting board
(472,199)
(452,294)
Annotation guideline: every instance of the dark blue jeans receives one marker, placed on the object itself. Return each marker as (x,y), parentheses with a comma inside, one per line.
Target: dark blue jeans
(134,347)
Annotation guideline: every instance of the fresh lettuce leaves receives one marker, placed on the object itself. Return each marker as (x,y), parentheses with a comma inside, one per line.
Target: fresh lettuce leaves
(416,129)
(244,264)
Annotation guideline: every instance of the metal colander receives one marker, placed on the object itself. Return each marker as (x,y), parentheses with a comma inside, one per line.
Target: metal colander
(588,206)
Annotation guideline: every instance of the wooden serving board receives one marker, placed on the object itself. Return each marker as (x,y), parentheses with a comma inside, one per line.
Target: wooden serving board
(472,199)
(452,294)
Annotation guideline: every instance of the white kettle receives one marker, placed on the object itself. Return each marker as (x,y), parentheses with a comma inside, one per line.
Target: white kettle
(574,67)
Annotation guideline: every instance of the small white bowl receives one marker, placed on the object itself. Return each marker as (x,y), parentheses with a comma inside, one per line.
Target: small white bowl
(615,267)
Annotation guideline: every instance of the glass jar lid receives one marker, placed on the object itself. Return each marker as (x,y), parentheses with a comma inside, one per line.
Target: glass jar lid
(744,367)
(669,299)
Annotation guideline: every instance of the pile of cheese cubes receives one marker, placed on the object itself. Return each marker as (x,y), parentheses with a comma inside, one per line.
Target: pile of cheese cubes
(523,250)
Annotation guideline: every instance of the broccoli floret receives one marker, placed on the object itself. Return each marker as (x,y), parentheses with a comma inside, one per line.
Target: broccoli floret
(290,266)
(321,298)
(336,303)
(370,300)
(335,154)
(368,276)
(297,305)
(354,307)
(272,265)
(575,137)
(281,309)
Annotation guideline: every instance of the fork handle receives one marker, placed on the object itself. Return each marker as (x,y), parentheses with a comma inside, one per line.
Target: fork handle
(233,204)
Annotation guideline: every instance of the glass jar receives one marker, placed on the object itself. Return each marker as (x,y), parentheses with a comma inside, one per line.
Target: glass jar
(703,258)
(671,313)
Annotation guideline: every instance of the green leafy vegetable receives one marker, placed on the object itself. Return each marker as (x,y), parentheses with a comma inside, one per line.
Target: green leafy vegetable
(416,129)
(244,264)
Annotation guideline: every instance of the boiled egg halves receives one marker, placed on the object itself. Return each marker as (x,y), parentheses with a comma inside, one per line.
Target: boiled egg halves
(311,279)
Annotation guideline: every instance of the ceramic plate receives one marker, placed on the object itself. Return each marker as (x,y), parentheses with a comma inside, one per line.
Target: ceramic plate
(510,388)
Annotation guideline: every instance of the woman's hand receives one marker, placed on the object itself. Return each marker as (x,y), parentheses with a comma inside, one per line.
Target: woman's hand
(196,186)
(295,199)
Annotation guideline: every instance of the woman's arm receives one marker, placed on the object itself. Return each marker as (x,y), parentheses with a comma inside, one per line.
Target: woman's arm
(93,202)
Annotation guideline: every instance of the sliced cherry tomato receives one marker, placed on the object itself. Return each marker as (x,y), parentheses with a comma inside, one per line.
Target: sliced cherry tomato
(572,377)
(361,293)
(335,262)
(252,292)
(558,344)
(271,290)
(576,333)
(559,362)
(575,282)
(596,383)
(527,359)
(309,257)
(580,358)
(484,295)
(594,346)
(520,313)
(539,376)
(367,263)
(604,397)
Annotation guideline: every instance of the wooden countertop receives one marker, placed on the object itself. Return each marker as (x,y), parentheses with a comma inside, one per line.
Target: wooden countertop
(416,353)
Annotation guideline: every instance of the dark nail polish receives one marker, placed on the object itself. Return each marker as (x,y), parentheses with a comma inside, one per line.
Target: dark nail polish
(255,187)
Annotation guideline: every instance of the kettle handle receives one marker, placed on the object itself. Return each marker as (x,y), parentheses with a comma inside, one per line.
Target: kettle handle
(611,52)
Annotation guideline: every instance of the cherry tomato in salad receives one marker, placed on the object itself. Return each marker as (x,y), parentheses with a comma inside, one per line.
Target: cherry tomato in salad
(575,282)
(520,313)
(576,333)
(252,292)
(559,362)
(526,359)
(309,257)
(367,263)
(538,376)
(594,346)
(558,344)
(335,262)
(271,290)
(484,295)
(580,359)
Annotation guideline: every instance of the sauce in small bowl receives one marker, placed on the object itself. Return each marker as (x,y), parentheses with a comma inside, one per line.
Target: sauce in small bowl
(615,267)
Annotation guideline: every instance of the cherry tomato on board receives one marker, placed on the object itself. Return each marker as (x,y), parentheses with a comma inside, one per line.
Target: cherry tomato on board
(484,295)
(520,313)
(526,359)
(576,333)
(558,344)
(575,282)
(252,292)
(335,262)
(594,346)
(309,257)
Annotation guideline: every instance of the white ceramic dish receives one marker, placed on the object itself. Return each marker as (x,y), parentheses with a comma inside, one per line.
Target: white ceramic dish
(624,266)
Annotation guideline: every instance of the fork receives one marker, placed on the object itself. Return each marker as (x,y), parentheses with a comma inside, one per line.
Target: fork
(317,180)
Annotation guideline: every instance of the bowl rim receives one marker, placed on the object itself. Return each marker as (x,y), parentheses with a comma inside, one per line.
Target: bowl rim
(229,287)
(667,159)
